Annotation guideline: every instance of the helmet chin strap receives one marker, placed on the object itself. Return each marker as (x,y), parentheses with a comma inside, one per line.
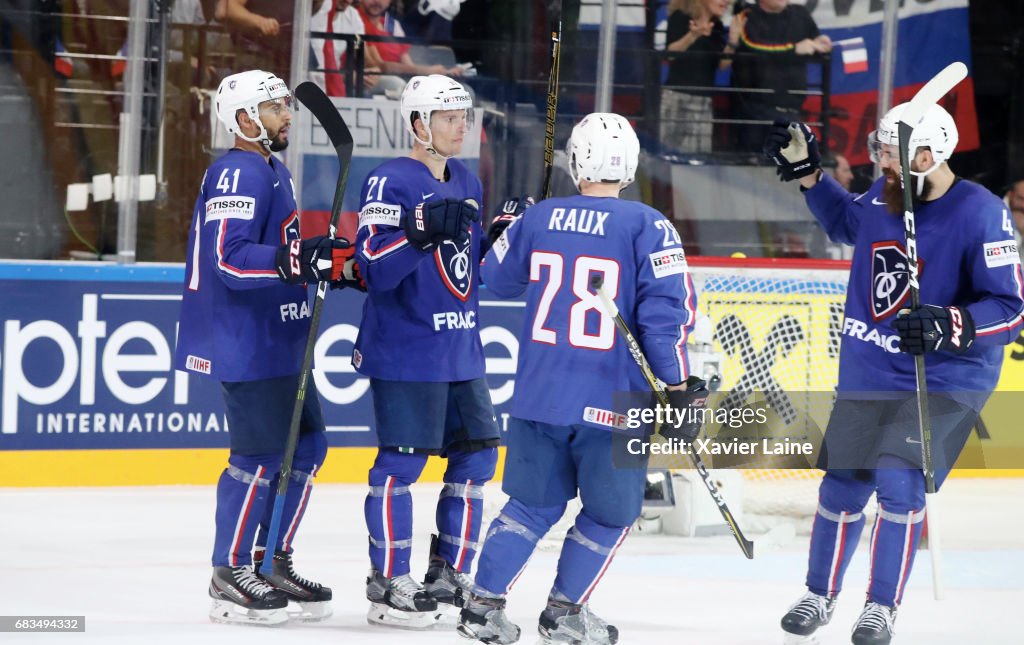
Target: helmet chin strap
(429,145)
(921,175)
(263,137)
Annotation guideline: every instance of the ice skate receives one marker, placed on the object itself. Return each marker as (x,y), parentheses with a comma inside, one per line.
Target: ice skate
(564,622)
(483,619)
(805,616)
(447,586)
(399,602)
(875,625)
(308,601)
(241,597)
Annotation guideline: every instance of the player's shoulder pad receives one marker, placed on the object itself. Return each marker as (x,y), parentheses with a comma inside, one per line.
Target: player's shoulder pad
(666,258)
(978,207)
(385,190)
(235,184)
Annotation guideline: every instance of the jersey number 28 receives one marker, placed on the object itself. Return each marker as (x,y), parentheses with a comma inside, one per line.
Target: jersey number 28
(578,275)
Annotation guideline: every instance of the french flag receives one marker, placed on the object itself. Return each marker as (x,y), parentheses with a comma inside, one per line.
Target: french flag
(61,63)
(855,55)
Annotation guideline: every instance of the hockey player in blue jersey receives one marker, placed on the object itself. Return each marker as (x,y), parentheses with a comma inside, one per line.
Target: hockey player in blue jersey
(570,365)
(244,321)
(971,281)
(418,246)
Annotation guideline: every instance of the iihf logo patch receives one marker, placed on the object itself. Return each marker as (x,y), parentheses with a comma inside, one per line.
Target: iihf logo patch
(890,278)
(453,263)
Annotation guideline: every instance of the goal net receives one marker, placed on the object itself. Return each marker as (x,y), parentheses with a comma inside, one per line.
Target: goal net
(772,334)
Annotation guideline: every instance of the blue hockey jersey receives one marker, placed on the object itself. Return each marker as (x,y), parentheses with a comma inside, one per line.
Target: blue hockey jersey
(420,314)
(239,321)
(571,359)
(968,258)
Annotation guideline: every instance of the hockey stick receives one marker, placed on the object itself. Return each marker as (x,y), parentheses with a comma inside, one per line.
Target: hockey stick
(311,96)
(926,97)
(778,534)
(552,103)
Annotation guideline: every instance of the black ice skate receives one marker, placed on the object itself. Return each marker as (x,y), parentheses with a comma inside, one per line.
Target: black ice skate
(399,602)
(310,601)
(241,597)
(805,616)
(565,622)
(875,625)
(447,586)
(484,620)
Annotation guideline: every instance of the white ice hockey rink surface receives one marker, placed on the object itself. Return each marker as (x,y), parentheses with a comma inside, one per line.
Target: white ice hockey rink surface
(135,563)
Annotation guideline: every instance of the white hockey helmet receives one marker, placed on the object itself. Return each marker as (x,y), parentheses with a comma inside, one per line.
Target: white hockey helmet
(603,149)
(424,95)
(936,131)
(245,91)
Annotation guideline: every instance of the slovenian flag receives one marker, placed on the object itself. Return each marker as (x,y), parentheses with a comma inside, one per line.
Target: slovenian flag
(855,55)
(62,63)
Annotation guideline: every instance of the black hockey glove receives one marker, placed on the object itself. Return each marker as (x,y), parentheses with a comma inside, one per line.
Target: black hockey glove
(794,149)
(932,328)
(351,277)
(511,210)
(688,405)
(312,260)
(439,220)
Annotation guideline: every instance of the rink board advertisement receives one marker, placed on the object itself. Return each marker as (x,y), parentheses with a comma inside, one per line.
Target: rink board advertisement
(89,396)
(86,353)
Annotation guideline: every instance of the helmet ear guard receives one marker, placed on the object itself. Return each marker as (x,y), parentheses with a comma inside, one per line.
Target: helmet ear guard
(246,91)
(603,148)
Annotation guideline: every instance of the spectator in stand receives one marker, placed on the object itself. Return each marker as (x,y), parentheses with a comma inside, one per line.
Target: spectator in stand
(695,27)
(393,56)
(431,20)
(337,17)
(774,30)
(842,173)
(262,31)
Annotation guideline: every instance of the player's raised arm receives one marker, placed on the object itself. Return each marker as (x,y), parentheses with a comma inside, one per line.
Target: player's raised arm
(794,149)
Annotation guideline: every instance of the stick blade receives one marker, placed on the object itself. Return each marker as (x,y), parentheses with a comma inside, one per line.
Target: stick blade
(310,95)
(932,91)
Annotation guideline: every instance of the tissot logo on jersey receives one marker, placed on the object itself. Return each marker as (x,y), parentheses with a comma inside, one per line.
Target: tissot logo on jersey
(999,254)
(890,281)
(379,214)
(668,262)
(230,207)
